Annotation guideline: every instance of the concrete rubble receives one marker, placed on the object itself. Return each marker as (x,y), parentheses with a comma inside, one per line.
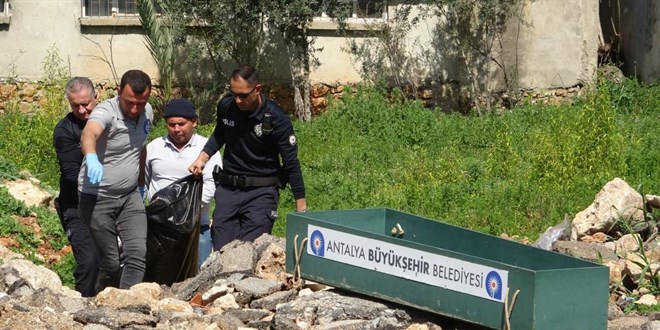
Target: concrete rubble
(245,286)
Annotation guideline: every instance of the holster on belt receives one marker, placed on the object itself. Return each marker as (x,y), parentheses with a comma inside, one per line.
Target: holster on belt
(216,175)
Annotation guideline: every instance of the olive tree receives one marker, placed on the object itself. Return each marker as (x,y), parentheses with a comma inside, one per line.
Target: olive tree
(223,34)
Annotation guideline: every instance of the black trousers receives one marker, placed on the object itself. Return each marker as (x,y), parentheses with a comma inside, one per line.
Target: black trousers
(84,250)
(243,213)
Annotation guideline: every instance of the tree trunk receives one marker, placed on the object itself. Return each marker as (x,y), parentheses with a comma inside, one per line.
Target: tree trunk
(300,83)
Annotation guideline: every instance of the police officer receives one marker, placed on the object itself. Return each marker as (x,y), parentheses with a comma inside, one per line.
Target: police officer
(255,132)
(66,137)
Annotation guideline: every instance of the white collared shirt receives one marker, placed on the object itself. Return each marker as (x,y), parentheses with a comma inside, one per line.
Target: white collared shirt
(166,164)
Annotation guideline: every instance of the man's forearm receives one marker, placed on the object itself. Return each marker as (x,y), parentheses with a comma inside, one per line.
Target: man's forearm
(89,137)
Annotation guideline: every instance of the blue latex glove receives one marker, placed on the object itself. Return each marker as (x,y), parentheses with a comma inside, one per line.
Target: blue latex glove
(94,168)
(142,192)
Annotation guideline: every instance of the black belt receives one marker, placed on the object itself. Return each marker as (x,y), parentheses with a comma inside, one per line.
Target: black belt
(242,181)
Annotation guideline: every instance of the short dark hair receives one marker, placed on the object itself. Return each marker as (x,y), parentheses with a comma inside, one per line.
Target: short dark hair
(79,84)
(138,80)
(246,72)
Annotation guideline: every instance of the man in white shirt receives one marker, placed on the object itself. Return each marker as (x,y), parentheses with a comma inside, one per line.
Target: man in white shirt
(168,158)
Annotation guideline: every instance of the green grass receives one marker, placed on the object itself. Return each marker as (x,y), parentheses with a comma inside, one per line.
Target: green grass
(518,173)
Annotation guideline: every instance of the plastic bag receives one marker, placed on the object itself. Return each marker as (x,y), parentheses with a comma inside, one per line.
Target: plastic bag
(173,231)
(552,234)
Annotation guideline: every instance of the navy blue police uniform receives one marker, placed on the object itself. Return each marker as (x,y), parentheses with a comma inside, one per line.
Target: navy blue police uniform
(66,138)
(247,187)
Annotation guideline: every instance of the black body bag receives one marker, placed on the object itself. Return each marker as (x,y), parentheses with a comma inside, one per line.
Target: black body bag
(173,231)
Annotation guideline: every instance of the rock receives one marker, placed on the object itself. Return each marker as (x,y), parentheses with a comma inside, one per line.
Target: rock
(635,265)
(238,257)
(232,296)
(613,311)
(627,243)
(27,92)
(586,251)
(125,300)
(219,264)
(170,307)
(325,307)
(610,246)
(148,290)
(7,91)
(39,276)
(651,325)
(270,302)
(616,271)
(256,287)
(595,238)
(653,250)
(627,323)
(219,289)
(225,302)
(25,191)
(272,263)
(114,318)
(319,102)
(225,321)
(22,317)
(248,315)
(614,202)
(6,254)
(319,90)
(647,299)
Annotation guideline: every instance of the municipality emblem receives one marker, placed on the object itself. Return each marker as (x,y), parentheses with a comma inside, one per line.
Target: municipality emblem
(147,126)
(317,243)
(494,285)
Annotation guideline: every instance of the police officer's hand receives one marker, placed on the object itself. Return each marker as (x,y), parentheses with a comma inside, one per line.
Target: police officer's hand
(94,168)
(197,167)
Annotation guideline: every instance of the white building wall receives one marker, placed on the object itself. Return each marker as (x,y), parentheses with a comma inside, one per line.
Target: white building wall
(35,26)
(557,49)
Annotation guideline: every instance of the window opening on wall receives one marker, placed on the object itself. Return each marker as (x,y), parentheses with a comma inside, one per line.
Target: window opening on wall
(369,9)
(100,8)
(362,9)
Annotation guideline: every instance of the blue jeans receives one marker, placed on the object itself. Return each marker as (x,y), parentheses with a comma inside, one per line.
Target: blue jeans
(205,245)
(112,217)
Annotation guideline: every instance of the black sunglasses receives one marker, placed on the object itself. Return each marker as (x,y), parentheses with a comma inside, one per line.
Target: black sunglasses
(242,95)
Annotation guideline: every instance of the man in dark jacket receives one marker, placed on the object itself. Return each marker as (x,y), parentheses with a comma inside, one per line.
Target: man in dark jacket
(255,133)
(66,137)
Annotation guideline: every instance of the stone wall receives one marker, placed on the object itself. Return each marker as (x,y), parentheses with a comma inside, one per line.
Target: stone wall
(28,96)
